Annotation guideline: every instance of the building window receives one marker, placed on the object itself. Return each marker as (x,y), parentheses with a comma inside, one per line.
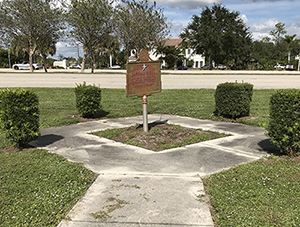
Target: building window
(201,64)
(189,51)
(197,64)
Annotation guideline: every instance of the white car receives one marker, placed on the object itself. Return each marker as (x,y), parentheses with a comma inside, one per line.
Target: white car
(26,65)
(116,67)
(75,66)
(279,66)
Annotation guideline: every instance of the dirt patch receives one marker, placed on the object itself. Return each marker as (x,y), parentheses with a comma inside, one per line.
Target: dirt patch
(12,149)
(161,136)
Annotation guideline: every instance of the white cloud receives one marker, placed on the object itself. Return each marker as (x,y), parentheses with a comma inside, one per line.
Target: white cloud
(189,4)
(294,28)
(244,18)
(261,29)
(67,49)
(267,0)
(177,28)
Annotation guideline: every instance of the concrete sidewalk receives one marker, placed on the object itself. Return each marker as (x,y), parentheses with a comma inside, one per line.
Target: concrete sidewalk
(138,187)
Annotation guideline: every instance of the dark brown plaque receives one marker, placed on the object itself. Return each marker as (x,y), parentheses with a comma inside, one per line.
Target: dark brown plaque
(143,77)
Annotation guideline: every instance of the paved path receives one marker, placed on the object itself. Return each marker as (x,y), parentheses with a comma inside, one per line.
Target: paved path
(138,187)
(175,79)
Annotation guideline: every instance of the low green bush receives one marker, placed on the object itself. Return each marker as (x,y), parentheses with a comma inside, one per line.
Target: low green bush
(88,100)
(284,124)
(19,115)
(233,99)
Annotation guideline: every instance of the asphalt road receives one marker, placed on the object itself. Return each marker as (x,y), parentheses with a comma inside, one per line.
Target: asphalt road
(170,79)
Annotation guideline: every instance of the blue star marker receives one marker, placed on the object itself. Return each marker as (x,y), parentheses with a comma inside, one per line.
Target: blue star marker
(144,67)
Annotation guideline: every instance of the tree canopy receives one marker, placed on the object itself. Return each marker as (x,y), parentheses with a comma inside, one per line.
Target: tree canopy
(139,25)
(220,35)
(91,22)
(30,22)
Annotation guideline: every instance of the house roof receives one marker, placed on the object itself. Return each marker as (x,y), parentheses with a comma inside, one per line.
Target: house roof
(172,41)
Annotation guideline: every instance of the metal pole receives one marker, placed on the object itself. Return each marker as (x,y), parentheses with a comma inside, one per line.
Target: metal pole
(9,63)
(145,114)
(9,59)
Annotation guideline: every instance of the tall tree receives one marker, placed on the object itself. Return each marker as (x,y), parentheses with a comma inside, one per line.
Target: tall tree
(289,39)
(140,25)
(172,55)
(45,48)
(219,34)
(110,47)
(29,21)
(263,51)
(91,22)
(277,37)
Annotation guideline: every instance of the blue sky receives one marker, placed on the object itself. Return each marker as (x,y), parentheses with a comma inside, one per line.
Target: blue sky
(259,15)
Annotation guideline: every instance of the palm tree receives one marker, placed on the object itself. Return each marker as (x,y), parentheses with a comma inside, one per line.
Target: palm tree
(46,46)
(289,39)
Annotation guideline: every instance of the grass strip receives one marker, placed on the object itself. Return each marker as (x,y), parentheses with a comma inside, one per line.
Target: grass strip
(262,193)
(58,106)
(38,188)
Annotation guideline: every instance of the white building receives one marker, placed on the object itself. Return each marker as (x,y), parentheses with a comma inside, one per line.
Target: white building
(189,54)
(62,63)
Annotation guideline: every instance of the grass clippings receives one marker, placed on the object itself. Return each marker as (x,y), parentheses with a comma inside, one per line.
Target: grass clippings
(160,136)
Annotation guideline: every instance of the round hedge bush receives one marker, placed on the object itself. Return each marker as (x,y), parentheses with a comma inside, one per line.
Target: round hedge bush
(284,124)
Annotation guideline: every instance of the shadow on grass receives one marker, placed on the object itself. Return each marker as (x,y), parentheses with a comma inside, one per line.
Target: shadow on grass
(100,114)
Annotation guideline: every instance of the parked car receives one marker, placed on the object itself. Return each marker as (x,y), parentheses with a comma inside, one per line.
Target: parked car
(77,66)
(221,67)
(289,67)
(279,66)
(116,67)
(182,67)
(26,65)
(205,67)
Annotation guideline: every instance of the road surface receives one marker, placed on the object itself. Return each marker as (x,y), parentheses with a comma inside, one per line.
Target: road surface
(173,79)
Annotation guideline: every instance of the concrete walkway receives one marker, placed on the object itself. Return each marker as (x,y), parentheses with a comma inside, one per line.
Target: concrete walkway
(139,187)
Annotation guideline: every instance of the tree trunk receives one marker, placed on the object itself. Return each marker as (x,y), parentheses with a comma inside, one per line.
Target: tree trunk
(83,61)
(210,62)
(45,62)
(110,60)
(30,60)
(93,63)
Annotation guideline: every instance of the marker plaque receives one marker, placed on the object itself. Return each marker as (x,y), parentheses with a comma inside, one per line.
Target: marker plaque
(143,77)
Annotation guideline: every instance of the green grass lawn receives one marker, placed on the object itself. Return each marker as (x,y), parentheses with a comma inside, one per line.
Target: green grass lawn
(33,183)
(38,188)
(58,104)
(263,193)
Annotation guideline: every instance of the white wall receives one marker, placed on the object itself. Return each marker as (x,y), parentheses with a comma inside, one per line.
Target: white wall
(62,63)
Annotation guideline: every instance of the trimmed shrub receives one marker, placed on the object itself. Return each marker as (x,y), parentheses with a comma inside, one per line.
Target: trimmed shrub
(284,124)
(233,100)
(88,100)
(19,115)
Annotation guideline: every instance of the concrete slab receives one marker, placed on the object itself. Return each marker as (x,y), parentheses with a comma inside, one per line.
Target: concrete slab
(134,200)
(139,187)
